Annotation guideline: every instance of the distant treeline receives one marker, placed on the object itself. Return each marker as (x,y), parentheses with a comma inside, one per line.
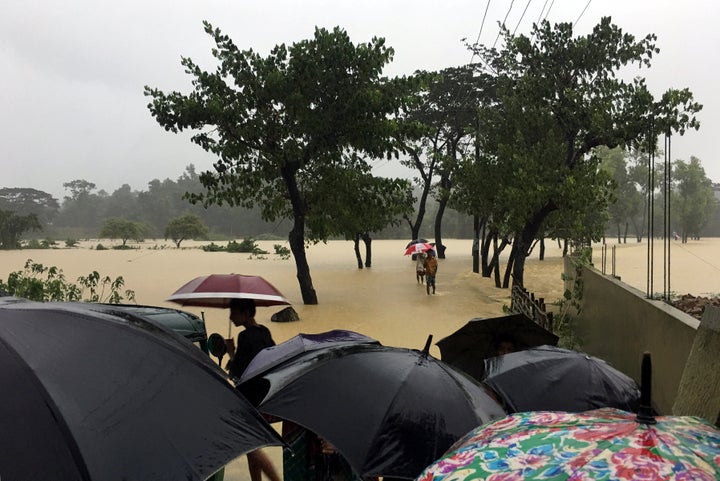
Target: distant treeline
(82,213)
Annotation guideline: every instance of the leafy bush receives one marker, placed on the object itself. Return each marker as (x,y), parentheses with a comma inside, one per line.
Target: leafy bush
(247,245)
(71,243)
(39,283)
(213,247)
(100,247)
(282,251)
(40,244)
(32,244)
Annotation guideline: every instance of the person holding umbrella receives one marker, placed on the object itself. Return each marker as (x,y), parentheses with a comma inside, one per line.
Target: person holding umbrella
(431,267)
(253,339)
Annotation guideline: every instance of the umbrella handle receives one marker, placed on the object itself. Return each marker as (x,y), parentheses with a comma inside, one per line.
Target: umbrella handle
(426,349)
(645,411)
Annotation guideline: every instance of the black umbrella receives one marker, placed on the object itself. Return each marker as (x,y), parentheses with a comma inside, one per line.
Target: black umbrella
(549,378)
(280,353)
(389,411)
(90,395)
(254,387)
(468,347)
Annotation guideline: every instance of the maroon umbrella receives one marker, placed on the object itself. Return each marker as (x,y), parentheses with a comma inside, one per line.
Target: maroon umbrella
(217,290)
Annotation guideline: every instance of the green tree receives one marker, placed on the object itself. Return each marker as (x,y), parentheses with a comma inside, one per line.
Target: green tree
(79,188)
(13,226)
(188,226)
(453,99)
(353,204)
(25,201)
(627,204)
(694,201)
(119,228)
(84,209)
(274,121)
(557,97)
(123,203)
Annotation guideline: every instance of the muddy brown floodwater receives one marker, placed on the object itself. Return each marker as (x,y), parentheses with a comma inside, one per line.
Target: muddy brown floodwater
(384,301)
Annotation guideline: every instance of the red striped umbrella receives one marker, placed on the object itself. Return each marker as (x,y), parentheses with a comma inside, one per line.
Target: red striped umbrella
(418,248)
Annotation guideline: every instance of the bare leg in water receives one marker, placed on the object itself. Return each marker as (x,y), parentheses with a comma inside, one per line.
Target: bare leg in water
(258,463)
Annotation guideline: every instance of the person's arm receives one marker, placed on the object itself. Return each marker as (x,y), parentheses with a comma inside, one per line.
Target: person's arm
(230,347)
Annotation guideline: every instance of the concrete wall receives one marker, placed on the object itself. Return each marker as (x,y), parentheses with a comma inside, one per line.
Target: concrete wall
(618,323)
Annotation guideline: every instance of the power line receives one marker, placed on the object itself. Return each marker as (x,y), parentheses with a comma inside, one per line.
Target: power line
(521,17)
(548,10)
(477,41)
(541,11)
(503,23)
(581,13)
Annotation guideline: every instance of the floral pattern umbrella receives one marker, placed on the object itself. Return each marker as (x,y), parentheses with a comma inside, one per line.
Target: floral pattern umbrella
(603,444)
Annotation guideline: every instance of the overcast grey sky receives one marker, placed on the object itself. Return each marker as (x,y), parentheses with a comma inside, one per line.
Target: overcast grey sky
(73,71)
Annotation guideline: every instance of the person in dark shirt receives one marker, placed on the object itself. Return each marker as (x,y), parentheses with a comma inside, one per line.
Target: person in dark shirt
(251,340)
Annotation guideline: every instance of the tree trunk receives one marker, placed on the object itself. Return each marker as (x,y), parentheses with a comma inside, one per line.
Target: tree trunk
(297,246)
(358,257)
(426,185)
(439,247)
(485,254)
(625,235)
(296,238)
(496,261)
(476,245)
(525,239)
(494,265)
(512,260)
(542,249)
(368,249)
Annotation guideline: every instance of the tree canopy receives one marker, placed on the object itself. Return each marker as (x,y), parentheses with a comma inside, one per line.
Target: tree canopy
(275,122)
(13,226)
(694,200)
(188,226)
(123,229)
(25,201)
(558,96)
